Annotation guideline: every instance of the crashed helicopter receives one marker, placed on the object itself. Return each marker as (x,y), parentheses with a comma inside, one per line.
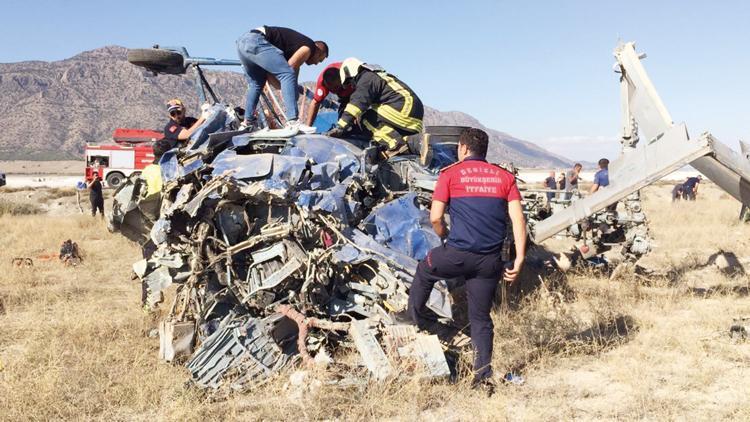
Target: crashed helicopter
(284,247)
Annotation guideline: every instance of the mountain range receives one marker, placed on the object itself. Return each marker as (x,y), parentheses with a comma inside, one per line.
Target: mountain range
(49,110)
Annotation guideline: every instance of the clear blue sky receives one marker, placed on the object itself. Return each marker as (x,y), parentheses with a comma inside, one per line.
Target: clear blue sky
(541,71)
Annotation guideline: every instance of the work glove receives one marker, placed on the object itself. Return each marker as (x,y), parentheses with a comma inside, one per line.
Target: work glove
(336,132)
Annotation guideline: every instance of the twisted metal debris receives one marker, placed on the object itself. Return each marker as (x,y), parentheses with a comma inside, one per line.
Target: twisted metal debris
(282,248)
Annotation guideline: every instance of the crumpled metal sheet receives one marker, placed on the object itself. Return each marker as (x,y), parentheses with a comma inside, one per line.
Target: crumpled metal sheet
(251,348)
(242,166)
(217,120)
(402,225)
(321,149)
(172,169)
(332,201)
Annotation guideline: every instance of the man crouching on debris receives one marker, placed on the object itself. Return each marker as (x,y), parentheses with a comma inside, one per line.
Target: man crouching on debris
(381,107)
(480,197)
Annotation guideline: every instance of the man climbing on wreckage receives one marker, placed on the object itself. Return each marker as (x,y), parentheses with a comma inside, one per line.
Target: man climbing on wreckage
(480,197)
(381,108)
(180,127)
(275,54)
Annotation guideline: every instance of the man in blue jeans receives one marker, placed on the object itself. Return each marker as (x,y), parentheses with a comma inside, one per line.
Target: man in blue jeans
(275,54)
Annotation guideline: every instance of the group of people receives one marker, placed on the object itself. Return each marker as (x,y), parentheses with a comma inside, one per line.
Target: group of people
(568,181)
(373,103)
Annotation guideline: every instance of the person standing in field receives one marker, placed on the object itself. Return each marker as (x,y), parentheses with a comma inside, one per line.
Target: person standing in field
(571,180)
(550,184)
(96,196)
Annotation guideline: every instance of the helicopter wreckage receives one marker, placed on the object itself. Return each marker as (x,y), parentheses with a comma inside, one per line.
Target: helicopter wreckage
(284,248)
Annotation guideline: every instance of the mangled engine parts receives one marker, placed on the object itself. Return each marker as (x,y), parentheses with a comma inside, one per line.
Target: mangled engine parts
(281,253)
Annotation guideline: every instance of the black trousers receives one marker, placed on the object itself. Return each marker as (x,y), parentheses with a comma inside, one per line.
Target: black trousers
(482,273)
(97,203)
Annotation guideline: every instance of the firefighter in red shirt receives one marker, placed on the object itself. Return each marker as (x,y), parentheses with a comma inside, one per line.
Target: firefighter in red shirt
(329,80)
(481,198)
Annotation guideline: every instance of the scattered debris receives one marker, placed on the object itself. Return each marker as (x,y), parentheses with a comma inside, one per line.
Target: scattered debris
(514,379)
(70,255)
(22,262)
(740,329)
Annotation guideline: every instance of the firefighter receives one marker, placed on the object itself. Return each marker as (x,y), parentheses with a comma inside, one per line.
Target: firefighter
(180,127)
(381,108)
(329,81)
(480,198)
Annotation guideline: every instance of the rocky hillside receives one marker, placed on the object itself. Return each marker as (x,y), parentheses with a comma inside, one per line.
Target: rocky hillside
(49,110)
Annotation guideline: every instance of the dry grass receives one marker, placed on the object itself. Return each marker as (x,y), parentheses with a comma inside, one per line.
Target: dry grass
(74,342)
(9,208)
(8,189)
(56,193)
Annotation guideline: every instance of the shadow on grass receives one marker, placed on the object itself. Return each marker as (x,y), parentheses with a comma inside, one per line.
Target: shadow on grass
(726,262)
(601,336)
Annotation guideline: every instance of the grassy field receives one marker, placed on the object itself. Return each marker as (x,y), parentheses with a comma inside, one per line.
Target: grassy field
(74,343)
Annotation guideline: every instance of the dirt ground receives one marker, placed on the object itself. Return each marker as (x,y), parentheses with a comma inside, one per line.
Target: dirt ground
(70,167)
(74,343)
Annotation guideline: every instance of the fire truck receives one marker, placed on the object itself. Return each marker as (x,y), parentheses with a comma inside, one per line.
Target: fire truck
(130,153)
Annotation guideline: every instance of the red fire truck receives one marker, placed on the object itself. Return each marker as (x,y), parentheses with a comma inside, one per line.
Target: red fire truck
(131,152)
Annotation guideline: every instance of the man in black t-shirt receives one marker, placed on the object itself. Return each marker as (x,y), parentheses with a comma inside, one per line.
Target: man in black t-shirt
(275,54)
(690,188)
(96,196)
(180,127)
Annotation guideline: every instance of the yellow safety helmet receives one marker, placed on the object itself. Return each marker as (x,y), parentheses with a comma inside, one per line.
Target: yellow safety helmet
(349,68)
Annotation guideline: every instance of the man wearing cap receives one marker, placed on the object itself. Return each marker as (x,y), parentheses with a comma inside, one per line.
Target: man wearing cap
(180,127)
(329,81)
(275,54)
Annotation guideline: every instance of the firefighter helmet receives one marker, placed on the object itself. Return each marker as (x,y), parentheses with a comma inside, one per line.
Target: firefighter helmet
(349,68)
